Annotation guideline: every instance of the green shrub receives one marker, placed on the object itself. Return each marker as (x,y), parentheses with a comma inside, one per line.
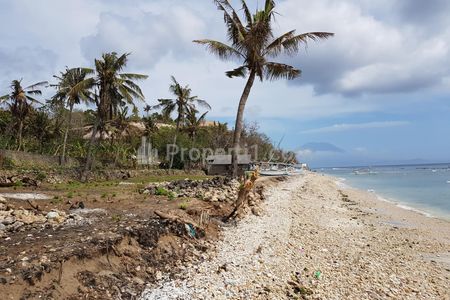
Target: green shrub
(183,205)
(18,183)
(7,163)
(160,191)
(41,176)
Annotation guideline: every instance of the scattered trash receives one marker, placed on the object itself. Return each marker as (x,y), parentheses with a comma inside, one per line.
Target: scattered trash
(190,230)
(317,274)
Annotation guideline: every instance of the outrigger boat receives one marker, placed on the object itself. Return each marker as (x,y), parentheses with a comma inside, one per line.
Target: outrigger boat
(278,169)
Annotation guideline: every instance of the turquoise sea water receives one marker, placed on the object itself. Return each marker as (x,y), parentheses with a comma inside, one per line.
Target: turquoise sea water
(422,187)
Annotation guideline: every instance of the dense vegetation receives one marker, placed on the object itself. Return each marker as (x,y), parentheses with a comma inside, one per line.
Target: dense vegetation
(89,112)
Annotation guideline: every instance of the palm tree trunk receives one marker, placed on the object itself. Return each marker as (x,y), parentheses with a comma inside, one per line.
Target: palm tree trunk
(19,138)
(174,143)
(63,155)
(88,161)
(239,123)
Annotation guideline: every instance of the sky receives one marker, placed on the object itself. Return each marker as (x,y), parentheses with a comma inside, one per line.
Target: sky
(376,93)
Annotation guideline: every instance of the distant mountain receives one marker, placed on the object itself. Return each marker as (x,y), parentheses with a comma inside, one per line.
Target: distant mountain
(322,147)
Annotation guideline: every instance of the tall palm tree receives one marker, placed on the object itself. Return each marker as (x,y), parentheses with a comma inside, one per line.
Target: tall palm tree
(253,43)
(72,88)
(20,104)
(182,104)
(115,90)
(194,123)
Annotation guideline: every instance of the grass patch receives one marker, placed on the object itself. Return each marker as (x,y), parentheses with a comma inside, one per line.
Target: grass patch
(184,205)
(116,218)
(56,200)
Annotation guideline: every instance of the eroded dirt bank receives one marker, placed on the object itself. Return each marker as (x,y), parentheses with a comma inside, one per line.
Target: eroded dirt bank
(107,240)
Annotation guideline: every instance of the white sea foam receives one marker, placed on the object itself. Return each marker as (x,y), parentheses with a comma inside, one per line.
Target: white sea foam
(405,206)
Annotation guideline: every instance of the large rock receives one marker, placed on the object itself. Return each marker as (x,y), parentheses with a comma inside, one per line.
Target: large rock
(52,215)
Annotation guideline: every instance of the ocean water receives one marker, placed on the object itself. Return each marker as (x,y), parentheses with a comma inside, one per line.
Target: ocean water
(425,188)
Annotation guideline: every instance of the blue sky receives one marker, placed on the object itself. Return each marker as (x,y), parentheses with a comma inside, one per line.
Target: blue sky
(378,91)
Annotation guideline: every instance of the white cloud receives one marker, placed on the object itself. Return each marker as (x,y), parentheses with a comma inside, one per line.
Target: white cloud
(149,36)
(374,51)
(369,54)
(357,126)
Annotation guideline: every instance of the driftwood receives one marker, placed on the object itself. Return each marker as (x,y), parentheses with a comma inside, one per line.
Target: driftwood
(34,205)
(244,191)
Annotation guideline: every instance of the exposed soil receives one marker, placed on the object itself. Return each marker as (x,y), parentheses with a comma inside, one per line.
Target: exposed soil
(120,245)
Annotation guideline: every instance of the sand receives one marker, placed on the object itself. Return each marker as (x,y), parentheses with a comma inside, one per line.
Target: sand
(316,240)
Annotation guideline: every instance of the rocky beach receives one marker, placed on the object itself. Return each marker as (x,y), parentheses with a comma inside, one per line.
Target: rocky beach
(316,240)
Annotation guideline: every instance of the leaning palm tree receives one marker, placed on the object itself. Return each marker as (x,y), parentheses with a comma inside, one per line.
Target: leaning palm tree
(20,104)
(115,90)
(182,104)
(254,44)
(71,90)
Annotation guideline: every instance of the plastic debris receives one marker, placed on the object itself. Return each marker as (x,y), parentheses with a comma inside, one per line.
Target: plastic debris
(190,230)
(317,274)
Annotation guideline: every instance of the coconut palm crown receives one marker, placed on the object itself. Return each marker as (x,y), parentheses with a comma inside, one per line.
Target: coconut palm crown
(253,43)
(72,88)
(20,102)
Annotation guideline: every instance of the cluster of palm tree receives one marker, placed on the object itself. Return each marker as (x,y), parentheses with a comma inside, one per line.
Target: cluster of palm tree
(20,102)
(251,41)
(106,87)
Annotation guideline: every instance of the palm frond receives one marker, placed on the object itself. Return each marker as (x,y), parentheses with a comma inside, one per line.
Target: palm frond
(203,103)
(33,100)
(222,50)
(33,86)
(202,117)
(235,30)
(273,71)
(276,46)
(34,92)
(238,72)
(121,62)
(133,76)
(291,45)
(247,14)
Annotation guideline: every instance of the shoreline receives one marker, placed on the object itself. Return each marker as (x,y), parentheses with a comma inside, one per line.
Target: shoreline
(341,182)
(315,240)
